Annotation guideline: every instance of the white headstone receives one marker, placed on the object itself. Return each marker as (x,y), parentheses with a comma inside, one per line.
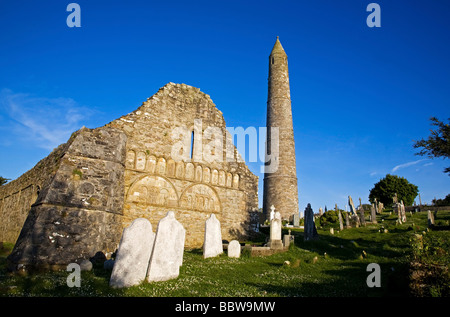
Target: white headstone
(167,256)
(212,245)
(133,255)
(275,227)
(272,212)
(234,249)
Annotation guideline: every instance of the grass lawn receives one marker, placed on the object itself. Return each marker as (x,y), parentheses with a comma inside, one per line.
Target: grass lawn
(335,265)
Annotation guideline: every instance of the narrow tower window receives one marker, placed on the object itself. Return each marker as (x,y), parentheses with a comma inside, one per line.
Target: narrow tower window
(273,60)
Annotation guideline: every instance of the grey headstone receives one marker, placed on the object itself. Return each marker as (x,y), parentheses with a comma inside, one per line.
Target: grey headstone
(133,255)
(167,255)
(341,225)
(212,245)
(296,220)
(310,231)
(362,216)
(373,213)
(234,249)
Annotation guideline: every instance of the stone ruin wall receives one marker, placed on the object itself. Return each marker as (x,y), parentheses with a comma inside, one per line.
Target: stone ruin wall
(97,183)
(17,196)
(155,183)
(78,211)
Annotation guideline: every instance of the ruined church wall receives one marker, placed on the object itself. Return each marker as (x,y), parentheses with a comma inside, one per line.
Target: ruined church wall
(155,182)
(17,196)
(78,213)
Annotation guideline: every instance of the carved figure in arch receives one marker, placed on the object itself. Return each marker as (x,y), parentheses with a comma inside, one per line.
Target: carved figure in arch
(140,160)
(151,164)
(189,171)
(222,180)
(200,197)
(153,190)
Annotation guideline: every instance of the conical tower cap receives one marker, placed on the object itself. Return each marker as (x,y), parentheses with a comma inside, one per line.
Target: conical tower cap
(277,48)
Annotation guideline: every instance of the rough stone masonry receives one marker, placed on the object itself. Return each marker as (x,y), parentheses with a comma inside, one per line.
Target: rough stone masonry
(77,201)
(280,184)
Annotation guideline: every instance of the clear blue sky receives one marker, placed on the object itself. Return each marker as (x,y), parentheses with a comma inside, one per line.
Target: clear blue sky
(360,95)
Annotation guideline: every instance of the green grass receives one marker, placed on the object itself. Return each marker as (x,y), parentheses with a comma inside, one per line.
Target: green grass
(334,265)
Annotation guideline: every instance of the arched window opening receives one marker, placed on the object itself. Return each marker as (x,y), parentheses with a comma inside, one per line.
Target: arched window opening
(191,153)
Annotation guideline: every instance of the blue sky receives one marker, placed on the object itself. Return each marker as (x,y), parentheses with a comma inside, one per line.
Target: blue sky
(360,95)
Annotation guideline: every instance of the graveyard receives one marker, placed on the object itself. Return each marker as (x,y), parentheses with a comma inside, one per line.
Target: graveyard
(413,257)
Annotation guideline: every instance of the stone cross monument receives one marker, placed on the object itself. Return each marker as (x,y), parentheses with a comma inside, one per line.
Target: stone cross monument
(280,175)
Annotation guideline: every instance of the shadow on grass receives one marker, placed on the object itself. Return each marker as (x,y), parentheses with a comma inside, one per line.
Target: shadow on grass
(342,282)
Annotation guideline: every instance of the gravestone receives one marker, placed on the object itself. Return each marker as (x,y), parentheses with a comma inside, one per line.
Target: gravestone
(212,245)
(310,231)
(234,249)
(430,218)
(395,199)
(398,209)
(362,216)
(167,255)
(272,212)
(380,207)
(296,220)
(275,232)
(354,221)
(133,255)
(352,206)
(347,221)
(341,225)
(402,211)
(288,239)
(373,214)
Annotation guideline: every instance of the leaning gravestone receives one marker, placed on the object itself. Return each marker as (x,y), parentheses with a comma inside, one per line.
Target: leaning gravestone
(310,231)
(352,206)
(212,244)
(133,255)
(234,249)
(167,256)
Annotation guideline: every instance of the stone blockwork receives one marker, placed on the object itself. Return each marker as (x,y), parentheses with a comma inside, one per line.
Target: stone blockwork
(280,186)
(78,212)
(156,182)
(78,200)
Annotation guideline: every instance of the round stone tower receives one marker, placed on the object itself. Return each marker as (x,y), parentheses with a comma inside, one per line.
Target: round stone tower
(280,177)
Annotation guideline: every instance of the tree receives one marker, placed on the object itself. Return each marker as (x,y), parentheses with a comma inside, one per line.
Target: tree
(442,202)
(3,180)
(387,187)
(438,143)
